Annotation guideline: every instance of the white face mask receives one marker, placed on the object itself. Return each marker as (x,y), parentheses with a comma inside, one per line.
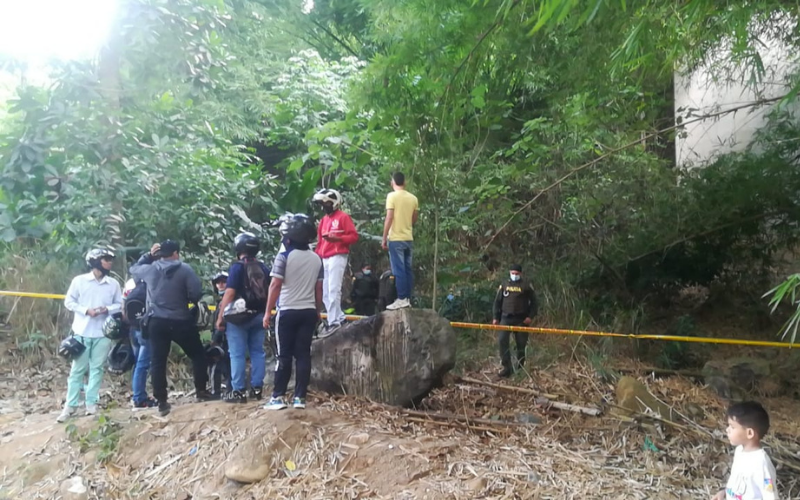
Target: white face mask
(515,277)
(366,272)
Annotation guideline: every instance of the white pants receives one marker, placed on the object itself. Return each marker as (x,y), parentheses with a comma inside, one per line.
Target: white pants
(332,287)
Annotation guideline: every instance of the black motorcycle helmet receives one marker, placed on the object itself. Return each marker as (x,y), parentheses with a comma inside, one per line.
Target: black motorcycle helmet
(220,276)
(121,358)
(95,256)
(246,243)
(299,228)
(214,353)
(71,348)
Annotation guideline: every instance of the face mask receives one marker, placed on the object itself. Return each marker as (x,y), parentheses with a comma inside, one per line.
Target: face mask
(515,277)
(366,272)
(220,292)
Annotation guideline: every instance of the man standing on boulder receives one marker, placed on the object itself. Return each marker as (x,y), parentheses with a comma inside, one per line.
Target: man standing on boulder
(91,297)
(335,235)
(514,305)
(402,211)
(171,286)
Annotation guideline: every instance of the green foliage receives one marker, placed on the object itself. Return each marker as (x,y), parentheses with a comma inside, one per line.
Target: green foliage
(104,436)
(787,292)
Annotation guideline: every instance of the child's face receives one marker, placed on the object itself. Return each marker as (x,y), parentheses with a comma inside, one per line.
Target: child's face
(739,435)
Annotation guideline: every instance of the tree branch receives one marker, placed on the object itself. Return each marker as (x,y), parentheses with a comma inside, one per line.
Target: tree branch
(336,38)
(622,148)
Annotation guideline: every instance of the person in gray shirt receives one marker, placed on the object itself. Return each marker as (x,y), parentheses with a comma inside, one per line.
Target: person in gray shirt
(171,286)
(297,276)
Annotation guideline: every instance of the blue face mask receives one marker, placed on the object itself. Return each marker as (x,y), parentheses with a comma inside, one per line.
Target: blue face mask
(220,292)
(366,272)
(515,277)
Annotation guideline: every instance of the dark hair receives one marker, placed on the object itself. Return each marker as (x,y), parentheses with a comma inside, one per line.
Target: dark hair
(399,178)
(750,415)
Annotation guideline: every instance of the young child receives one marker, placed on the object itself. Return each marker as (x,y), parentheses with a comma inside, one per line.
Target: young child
(752,474)
(221,368)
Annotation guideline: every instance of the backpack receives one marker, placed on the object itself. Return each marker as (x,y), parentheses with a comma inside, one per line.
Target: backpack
(256,284)
(135,304)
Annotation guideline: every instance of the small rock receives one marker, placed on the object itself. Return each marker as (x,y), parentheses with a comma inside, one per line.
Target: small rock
(74,489)
(533,477)
(247,471)
(476,485)
(527,418)
(360,438)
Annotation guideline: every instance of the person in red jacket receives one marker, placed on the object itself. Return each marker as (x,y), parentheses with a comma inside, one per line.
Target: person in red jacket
(335,234)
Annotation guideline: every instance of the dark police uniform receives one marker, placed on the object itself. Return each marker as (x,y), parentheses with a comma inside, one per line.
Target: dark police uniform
(387,290)
(364,294)
(514,302)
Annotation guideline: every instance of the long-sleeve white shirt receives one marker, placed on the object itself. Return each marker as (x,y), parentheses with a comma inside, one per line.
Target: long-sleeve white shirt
(87,292)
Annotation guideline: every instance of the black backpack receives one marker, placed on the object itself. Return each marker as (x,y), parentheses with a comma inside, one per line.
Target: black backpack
(256,284)
(135,304)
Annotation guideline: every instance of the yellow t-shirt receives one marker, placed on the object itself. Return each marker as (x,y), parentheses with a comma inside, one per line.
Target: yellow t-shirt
(404,205)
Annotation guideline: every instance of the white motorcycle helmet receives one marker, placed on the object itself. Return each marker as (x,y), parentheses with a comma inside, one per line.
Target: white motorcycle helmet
(329,195)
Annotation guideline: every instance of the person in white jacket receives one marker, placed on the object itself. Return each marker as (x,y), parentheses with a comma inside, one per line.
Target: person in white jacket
(92,297)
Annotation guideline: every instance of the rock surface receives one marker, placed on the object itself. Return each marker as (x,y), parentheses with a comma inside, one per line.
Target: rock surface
(74,489)
(395,357)
(633,396)
(742,377)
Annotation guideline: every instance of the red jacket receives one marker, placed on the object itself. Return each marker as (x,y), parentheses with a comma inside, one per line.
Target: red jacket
(337,224)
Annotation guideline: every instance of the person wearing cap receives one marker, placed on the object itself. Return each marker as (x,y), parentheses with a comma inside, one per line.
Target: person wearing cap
(514,305)
(171,286)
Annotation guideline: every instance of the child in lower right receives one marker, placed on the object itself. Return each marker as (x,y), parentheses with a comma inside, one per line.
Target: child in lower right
(752,474)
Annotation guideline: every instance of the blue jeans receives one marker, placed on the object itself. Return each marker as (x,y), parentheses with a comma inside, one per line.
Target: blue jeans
(400,258)
(241,339)
(141,350)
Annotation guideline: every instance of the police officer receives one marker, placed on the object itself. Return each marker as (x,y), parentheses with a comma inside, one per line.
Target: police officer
(514,305)
(365,291)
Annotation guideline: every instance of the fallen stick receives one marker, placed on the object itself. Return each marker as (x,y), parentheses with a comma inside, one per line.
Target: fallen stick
(461,425)
(660,371)
(461,418)
(567,407)
(509,388)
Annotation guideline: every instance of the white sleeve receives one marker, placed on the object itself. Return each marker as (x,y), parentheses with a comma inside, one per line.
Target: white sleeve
(769,490)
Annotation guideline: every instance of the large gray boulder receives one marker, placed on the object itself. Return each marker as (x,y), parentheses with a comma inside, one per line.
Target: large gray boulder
(395,357)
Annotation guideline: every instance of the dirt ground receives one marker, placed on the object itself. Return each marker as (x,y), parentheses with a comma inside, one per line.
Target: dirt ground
(347,448)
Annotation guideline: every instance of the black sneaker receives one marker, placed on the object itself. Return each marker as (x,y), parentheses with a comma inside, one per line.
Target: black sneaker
(235,397)
(206,396)
(256,393)
(164,408)
(147,403)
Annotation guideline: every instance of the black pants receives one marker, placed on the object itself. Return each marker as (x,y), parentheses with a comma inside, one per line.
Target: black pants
(504,341)
(163,332)
(365,307)
(294,331)
(221,369)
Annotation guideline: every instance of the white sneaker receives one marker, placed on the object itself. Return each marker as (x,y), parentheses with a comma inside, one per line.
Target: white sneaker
(66,413)
(91,409)
(276,404)
(399,304)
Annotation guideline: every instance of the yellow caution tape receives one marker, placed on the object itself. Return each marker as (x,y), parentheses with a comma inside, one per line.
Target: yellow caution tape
(526,329)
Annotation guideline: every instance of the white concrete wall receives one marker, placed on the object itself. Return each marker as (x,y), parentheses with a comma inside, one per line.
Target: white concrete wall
(706,91)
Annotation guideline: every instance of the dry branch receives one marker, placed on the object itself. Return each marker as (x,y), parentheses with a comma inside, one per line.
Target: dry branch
(509,388)
(461,418)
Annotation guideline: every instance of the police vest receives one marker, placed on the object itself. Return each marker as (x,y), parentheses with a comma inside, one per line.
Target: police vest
(515,297)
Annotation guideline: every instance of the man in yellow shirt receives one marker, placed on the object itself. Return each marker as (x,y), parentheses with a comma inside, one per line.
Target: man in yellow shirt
(402,210)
